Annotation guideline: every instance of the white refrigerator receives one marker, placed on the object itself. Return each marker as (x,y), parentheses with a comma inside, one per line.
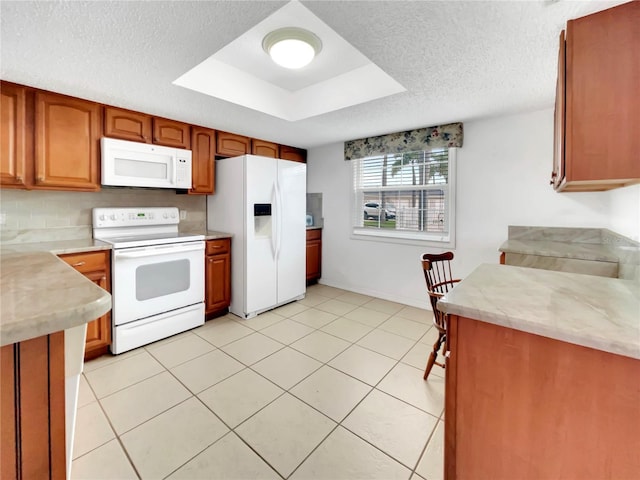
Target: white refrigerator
(262,202)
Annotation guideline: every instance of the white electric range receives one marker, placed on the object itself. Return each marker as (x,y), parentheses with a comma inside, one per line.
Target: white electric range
(157,274)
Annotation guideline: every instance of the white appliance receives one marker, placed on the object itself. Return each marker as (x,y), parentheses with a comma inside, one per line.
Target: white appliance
(157,274)
(134,164)
(262,202)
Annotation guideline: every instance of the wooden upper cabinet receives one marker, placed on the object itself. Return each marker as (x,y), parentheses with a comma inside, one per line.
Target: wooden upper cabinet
(602,115)
(67,134)
(293,153)
(264,148)
(203,144)
(171,133)
(13,133)
(232,145)
(557,174)
(127,125)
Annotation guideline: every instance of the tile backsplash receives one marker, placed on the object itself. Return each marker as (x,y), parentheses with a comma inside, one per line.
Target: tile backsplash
(44,215)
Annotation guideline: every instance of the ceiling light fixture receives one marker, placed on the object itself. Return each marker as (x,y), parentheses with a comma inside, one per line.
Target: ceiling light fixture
(292,47)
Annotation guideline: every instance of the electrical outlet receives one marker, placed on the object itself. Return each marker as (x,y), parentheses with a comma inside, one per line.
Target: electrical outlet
(3,218)
(183,214)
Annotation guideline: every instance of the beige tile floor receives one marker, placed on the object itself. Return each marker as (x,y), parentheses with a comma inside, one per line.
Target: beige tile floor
(329,387)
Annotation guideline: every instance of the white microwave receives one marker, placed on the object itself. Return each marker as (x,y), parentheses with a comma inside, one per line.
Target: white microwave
(134,164)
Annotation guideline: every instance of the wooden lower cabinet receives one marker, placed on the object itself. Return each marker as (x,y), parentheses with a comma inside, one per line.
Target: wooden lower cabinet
(523,406)
(314,255)
(32,409)
(217,277)
(96,267)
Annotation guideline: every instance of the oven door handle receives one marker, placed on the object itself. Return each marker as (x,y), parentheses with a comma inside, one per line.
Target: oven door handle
(158,251)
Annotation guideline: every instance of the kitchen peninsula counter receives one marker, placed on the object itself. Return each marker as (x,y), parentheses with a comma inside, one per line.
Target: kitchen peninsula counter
(544,368)
(596,312)
(42,295)
(44,308)
(549,248)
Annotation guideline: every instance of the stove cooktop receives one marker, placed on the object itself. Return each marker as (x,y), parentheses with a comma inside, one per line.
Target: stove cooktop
(154,239)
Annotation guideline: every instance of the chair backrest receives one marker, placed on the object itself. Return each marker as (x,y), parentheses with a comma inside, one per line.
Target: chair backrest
(437,274)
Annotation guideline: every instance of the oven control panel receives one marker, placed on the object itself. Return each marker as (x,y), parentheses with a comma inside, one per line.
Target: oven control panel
(134,217)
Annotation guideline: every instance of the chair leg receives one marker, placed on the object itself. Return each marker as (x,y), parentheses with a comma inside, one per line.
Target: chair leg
(434,354)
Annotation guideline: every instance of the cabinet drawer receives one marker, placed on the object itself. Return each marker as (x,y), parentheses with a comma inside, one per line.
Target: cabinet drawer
(315,234)
(215,247)
(87,262)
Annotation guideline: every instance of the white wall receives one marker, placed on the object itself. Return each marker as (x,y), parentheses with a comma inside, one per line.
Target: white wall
(503,179)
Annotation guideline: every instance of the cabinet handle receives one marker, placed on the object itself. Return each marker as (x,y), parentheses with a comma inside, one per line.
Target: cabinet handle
(447,354)
(19,178)
(41,179)
(78,264)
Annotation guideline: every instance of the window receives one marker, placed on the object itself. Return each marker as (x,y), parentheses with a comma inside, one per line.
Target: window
(409,195)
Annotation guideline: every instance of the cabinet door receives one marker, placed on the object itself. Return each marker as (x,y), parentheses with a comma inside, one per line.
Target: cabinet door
(314,256)
(264,148)
(218,282)
(127,125)
(67,143)
(13,132)
(602,100)
(171,133)
(557,175)
(96,267)
(98,336)
(293,153)
(203,143)
(232,145)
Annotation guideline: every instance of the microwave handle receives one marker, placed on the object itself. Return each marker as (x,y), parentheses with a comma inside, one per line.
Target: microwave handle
(158,251)
(175,170)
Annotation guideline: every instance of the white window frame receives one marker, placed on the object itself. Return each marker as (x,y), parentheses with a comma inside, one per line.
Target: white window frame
(406,237)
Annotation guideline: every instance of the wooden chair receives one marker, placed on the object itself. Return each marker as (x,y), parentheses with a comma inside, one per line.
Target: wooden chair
(437,273)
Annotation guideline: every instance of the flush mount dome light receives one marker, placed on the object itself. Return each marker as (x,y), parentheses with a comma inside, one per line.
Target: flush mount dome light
(292,47)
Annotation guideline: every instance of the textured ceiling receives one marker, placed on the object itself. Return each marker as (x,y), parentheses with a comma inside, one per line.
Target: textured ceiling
(458,60)
(242,73)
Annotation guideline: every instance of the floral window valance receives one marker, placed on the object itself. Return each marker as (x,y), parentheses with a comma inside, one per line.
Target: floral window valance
(439,136)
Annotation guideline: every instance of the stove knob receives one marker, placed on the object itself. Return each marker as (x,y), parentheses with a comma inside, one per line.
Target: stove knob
(113,217)
(164,215)
(102,217)
(173,214)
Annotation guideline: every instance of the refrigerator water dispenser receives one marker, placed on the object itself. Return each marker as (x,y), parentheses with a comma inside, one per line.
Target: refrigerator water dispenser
(262,219)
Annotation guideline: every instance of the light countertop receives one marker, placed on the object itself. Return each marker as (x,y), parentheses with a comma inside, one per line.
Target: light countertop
(213,235)
(41,294)
(58,247)
(596,312)
(547,248)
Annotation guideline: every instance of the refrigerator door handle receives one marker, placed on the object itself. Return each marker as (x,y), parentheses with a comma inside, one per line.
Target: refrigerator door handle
(274,202)
(278,223)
